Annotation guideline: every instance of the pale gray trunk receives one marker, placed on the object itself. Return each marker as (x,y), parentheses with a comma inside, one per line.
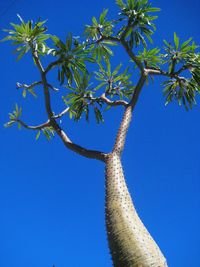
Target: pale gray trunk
(130,243)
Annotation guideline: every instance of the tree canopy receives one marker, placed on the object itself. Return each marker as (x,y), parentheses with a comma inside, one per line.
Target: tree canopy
(84,63)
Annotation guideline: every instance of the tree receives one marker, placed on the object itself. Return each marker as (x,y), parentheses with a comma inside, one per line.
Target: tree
(130,243)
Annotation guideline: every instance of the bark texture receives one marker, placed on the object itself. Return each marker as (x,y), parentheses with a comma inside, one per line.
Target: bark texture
(130,243)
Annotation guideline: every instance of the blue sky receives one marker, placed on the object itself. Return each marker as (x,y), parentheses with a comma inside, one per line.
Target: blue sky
(52,201)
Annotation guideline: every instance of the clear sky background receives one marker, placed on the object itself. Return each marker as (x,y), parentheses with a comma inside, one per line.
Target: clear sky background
(52,201)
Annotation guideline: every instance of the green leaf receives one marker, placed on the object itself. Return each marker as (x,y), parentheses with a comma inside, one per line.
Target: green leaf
(7,38)
(80,65)
(69,42)
(94,20)
(42,37)
(89,59)
(152,9)
(102,16)
(107,50)
(108,42)
(19,125)
(20,18)
(9,124)
(120,3)
(46,133)
(41,23)
(37,135)
(131,4)
(107,108)
(98,115)
(116,70)
(24,93)
(43,48)
(185,44)
(31,91)
(129,32)
(99,86)
(71,114)
(108,66)
(176,41)
(77,78)
(21,54)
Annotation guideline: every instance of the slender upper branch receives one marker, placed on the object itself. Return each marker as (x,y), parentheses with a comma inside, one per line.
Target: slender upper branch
(52,119)
(52,65)
(138,89)
(128,27)
(122,131)
(37,60)
(132,55)
(123,42)
(126,120)
(125,45)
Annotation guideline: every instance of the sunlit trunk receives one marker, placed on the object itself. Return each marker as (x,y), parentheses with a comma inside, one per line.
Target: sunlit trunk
(130,243)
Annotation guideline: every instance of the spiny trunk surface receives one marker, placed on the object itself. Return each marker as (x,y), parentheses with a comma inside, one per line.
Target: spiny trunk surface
(130,243)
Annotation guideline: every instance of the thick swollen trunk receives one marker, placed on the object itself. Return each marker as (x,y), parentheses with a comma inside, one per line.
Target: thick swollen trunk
(130,243)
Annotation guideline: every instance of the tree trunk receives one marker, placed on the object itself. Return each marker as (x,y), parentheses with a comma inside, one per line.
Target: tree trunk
(130,243)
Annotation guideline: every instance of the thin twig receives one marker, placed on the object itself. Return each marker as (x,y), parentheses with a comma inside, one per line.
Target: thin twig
(30,127)
(26,86)
(61,113)
(53,88)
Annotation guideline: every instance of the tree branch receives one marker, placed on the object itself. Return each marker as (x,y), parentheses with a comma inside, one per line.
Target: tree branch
(52,65)
(132,55)
(137,90)
(184,67)
(107,38)
(113,103)
(122,131)
(126,120)
(26,86)
(37,60)
(52,120)
(93,154)
(61,113)
(129,25)
(37,127)
(127,49)
(53,88)
(174,75)
(67,142)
